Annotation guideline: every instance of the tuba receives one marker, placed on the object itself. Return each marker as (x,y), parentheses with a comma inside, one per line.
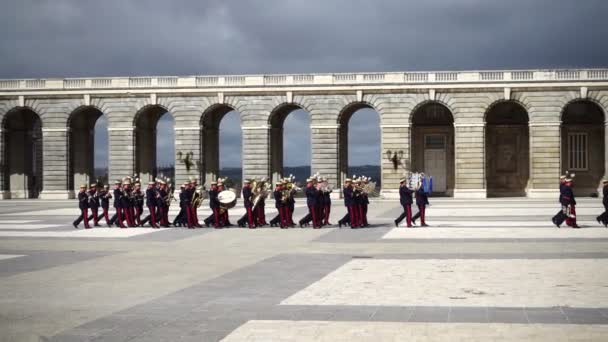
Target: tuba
(198,195)
(260,191)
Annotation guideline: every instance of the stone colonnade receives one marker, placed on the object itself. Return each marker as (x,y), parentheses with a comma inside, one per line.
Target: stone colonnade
(197,117)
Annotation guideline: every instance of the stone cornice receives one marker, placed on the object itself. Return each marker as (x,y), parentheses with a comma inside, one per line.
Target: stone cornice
(232,84)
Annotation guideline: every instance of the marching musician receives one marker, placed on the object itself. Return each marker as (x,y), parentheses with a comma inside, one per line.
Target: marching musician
(291,204)
(346,218)
(93,204)
(559,218)
(162,204)
(183,217)
(312,201)
(326,204)
(119,215)
(405,197)
(364,203)
(260,212)
(224,217)
(214,205)
(127,206)
(603,218)
(83,205)
(281,205)
(422,200)
(248,203)
(151,204)
(569,201)
(138,200)
(104,196)
(193,210)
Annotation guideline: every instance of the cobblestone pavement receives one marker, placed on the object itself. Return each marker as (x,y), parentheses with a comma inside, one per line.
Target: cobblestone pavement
(490,269)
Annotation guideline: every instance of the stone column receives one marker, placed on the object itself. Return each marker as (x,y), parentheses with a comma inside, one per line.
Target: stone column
(121,152)
(55,163)
(396,139)
(469,153)
(605,150)
(324,154)
(188,154)
(256,151)
(545,150)
(4,194)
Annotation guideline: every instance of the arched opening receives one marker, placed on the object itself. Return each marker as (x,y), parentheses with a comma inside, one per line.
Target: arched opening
(22,154)
(154,146)
(359,143)
(507,150)
(583,144)
(87,127)
(290,142)
(433,145)
(221,144)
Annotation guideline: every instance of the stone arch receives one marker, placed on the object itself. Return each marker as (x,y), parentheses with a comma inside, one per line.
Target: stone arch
(276,121)
(432,144)
(507,149)
(343,119)
(145,122)
(583,143)
(22,153)
(210,140)
(81,150)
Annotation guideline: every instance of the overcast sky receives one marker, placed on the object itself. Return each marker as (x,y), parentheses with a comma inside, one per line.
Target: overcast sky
(72,38)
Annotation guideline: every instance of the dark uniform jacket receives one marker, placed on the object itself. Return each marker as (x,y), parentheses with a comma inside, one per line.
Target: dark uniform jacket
(312,195)
(93,200)
(151,197)
(348,196)
(326,200)
(605,192)
(83,200)
(422,199)
(105,201)
(160,201)
(278,196)
(125,201)
(214,202)
(405,195)
(568,196)
(247,197)
(117,198)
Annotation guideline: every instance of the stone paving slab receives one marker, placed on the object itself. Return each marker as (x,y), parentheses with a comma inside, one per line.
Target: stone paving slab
(38,260)
(470,282)
(263,330)
(496,233)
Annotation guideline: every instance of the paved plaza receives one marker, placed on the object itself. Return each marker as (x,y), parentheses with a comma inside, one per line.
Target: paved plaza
(486,270)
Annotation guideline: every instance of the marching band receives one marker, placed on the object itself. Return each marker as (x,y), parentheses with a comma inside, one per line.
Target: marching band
(129,199)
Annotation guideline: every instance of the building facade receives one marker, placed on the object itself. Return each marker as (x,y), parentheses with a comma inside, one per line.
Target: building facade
(478,133)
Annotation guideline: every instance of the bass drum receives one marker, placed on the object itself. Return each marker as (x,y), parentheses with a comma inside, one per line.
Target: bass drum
(227,199)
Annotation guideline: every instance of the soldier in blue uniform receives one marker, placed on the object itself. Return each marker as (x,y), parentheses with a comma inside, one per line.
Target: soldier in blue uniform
(422,200)
(161,204)
(83,205)
(312,201)
(127,204)
(405,198)
(119,215)
(364,205)
(559,218)
(151,196)
(603,218)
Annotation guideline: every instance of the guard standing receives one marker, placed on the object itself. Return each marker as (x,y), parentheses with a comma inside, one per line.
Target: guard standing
(83,205)
(405,197)
(603,218)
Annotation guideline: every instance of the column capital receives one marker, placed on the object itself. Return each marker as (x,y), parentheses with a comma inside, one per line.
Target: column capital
(110,129)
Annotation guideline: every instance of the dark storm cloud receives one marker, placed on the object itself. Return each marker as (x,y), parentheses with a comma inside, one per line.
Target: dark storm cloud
(73,38)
